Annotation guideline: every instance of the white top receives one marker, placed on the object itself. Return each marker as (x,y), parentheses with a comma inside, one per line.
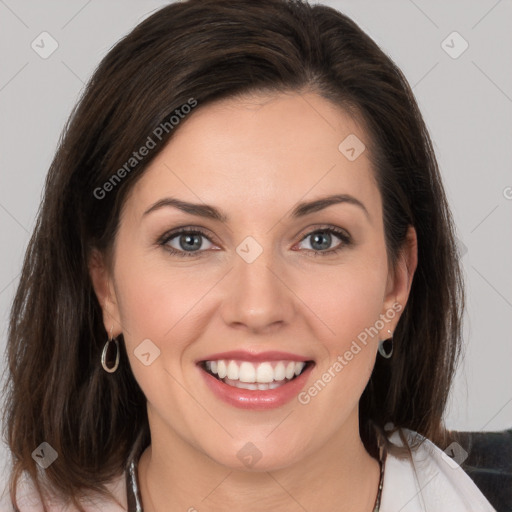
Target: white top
(439,484)
(430,482)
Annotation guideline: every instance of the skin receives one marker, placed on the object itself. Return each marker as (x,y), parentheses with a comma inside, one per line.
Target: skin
(254,158)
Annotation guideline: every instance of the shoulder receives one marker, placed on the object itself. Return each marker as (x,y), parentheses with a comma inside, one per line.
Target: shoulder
(30,501)
(427,481)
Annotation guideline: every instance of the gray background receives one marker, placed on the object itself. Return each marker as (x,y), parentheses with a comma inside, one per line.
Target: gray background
(466,103)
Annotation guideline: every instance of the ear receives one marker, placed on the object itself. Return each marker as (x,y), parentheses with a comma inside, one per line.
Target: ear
(103,284)
(399,282)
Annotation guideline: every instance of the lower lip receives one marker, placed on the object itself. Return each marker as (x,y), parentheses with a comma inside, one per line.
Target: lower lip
(257,399)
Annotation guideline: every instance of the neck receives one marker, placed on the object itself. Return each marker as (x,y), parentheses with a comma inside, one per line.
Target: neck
(175,476)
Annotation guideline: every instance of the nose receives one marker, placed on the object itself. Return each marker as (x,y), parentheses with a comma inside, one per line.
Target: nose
(257,296)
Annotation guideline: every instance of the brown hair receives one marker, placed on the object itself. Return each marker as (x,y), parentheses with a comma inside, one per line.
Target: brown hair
(206,50)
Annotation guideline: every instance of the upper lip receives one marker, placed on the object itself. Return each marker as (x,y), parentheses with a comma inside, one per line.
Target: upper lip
(244,355)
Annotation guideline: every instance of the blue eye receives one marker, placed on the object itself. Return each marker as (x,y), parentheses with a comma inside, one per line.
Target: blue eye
(187,242)
(321,239)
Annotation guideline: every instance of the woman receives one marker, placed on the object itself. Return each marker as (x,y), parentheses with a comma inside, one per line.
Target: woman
(242,290)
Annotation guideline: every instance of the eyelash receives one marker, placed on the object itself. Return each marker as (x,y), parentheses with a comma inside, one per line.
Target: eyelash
(164,240)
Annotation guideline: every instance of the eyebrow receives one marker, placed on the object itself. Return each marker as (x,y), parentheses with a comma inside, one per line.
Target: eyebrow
(300,210)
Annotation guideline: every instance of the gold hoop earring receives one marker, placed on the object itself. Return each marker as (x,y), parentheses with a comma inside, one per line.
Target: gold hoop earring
(107,368)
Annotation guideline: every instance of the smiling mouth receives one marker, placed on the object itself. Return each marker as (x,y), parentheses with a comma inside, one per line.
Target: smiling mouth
(255,376)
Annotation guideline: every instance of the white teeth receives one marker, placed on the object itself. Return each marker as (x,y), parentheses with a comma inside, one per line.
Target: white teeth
(222,371)
(265,375)
(290,370)
(253,387)
(279,371)
(247,372)
(232,371)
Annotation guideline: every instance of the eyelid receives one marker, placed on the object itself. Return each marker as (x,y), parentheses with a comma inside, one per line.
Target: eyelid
(342,234)
(186,229)
(324,227)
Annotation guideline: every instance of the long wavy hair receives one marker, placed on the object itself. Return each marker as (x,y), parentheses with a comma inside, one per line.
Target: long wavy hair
(207,50)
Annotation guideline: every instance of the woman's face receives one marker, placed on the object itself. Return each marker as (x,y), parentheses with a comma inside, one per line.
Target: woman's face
(249,290)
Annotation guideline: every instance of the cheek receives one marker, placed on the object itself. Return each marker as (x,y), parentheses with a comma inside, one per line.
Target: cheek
(350,303)
(161,305)
(156,300)
(167,304)
(347,299)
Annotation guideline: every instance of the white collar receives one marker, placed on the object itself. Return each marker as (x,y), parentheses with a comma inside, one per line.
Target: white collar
(429,482)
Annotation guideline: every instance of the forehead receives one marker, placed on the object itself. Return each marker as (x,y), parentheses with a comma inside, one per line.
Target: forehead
(253,153)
